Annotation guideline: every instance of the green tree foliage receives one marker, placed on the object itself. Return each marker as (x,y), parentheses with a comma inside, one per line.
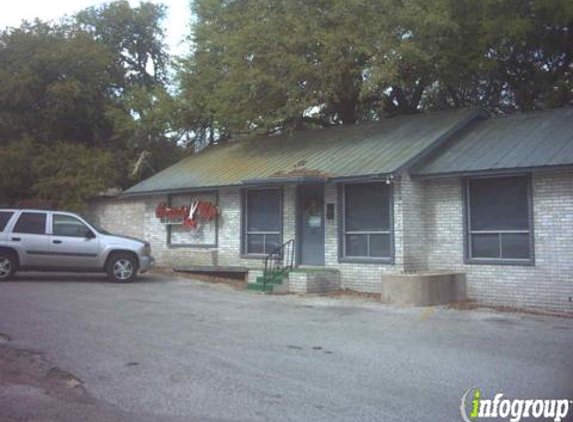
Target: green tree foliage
(71,173)
(84,104)
(266,66)
(55,85)
(134,36)
(146,128)
(143,113)
(16,181)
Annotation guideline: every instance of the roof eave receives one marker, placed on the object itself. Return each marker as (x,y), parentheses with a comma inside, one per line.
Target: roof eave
(492,172)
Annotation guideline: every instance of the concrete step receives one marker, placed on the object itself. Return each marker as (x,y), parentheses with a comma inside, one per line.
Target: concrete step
(261,287)
(276,279)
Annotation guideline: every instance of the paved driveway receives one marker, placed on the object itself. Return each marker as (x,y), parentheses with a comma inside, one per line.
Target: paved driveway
(174,349)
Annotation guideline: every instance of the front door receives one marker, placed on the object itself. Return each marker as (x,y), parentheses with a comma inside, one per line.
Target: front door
(311,224)
(73,244)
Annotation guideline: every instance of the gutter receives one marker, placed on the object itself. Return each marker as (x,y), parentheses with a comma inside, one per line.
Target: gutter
(492,172)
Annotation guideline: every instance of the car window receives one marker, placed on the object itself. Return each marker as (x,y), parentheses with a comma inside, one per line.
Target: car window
(4,218)
(66,225)
(31,223)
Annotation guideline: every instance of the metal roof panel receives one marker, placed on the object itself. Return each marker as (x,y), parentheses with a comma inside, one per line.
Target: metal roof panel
(529,140)
(375,148)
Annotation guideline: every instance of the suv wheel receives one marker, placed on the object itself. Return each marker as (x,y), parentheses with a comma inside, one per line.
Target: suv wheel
(122,268)
(7,266)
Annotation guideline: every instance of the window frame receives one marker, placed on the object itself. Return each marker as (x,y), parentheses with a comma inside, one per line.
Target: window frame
(244,216)
(46,223)
(342,258)
(56,214)
(10,217)
(171,245)
(468,232)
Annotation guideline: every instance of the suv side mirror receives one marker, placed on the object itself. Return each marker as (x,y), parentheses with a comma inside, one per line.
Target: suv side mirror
(90,234)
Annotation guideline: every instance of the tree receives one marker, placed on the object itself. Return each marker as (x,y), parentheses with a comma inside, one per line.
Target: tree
(134,36)
(142,116)
(55,85)
(71,174)
(286,63)
(81,101)
(146,129)
(16,181)
(507,56)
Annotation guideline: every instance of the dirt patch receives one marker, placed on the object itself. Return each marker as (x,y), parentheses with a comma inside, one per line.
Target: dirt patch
(232,282)
(28,367)
(470,305)
(350,294)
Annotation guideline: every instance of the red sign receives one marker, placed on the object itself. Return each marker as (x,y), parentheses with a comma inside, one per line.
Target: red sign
(187,216)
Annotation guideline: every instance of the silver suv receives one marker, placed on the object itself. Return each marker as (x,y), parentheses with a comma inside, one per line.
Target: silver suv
(40,240)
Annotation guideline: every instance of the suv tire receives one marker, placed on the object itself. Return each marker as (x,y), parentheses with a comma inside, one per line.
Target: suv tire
(121,268)
(8,264)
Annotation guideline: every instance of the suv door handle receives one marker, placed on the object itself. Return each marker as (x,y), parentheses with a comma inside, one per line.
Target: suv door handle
(16,239)
(56,241)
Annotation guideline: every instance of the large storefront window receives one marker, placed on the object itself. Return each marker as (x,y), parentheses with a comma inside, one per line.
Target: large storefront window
(262,225)
(367,221)
(499,222)
(204,234)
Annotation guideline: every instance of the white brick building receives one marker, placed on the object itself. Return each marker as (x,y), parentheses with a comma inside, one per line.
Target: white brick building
(454,191)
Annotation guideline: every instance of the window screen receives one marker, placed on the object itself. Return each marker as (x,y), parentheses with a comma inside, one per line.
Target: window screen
(4,218)
(499,218)
(262,220)
(367,222)
(31,223)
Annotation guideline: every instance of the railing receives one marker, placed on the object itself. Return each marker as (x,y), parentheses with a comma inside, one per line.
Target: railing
(279,262)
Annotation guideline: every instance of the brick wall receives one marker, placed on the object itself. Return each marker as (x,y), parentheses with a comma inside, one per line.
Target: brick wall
(123,217)
(548,284)
(357,276)
(428,235)
(136,217)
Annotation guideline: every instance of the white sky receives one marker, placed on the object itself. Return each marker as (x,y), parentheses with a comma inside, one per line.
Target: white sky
(12,12)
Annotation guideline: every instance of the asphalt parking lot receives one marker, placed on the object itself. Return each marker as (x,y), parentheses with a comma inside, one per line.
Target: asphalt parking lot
(167,349)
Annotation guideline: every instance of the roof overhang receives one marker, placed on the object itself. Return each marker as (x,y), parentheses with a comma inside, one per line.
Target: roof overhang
(492,172)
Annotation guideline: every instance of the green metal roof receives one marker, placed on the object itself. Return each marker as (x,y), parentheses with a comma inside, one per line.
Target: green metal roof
(525,141)
(379,148)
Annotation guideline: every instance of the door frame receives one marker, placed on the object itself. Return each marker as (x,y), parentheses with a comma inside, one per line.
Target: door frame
(298,222)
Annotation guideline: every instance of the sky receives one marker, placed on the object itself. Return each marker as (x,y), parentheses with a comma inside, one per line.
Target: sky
(176,24)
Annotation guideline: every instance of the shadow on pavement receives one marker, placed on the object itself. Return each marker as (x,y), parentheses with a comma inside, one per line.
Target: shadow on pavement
(82,278)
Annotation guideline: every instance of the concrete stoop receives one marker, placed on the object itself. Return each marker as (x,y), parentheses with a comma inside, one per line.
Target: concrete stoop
(423,288)
(299,280)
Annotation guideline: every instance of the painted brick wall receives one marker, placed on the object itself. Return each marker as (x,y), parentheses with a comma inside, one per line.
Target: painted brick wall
(136,217)
(355,276)
(123,217)
(428,235)
(548,284)
(412,199)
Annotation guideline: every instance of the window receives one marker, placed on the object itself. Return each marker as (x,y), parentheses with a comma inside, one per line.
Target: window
(4,218)
(499,219)
(205,234)
(262,221)
(367,222)
(31,223)
(65,225)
